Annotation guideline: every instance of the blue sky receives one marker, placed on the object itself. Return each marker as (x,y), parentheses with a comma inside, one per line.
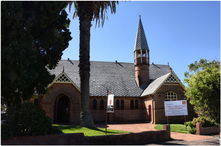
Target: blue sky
(178,32)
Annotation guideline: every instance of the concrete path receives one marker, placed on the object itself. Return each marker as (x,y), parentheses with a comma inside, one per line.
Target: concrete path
(179,138)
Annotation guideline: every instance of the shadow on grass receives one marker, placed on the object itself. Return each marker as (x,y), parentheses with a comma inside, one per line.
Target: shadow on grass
(64,127)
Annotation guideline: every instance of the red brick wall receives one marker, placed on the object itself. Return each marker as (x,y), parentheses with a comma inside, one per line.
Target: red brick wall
(206,130)
(55,92)
(120,115)
(78,139)
(158,107)
(148,101)
(143,71)
(54,139)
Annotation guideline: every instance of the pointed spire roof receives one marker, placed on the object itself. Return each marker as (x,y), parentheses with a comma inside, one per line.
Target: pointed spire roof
(141,42)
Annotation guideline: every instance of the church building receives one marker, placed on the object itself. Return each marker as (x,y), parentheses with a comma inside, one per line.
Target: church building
(139,89)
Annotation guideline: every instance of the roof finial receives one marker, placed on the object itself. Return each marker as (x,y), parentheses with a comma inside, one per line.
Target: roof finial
(140,16)
(63,68)
(170,69)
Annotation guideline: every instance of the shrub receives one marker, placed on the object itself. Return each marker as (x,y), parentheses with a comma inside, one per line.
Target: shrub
(206,122)
(192,130)
(26,119)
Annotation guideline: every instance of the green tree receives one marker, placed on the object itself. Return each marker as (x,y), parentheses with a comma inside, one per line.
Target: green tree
(33,36)
(88,11)
(203,90)
(26,120)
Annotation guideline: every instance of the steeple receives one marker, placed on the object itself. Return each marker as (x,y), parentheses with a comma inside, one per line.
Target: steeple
(141,42)
(141,57)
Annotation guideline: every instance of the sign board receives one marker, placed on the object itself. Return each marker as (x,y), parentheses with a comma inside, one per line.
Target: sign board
(175,108)
(110,103)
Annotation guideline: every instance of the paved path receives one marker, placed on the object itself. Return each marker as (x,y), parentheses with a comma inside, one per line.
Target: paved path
(179,138)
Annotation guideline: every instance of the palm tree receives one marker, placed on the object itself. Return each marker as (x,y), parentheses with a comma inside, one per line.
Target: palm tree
(88,11)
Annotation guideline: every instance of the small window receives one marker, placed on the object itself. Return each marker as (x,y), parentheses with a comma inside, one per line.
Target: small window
(117,104)
(36,102)
(170,96)
(131,104)
(101,104)
(136,104)
(94,104)
(122,104)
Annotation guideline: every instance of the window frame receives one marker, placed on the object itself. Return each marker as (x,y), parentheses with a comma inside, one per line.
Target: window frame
(94,104)
(170,96)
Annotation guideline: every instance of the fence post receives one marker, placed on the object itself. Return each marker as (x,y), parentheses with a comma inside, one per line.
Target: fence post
(167,128)
(198,128)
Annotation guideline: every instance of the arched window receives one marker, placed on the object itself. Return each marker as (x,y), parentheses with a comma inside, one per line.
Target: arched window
(131,104)
(117,104)
(170,96)
(122,104)
(101,104)
(136,104)
(94,104)
(36,102)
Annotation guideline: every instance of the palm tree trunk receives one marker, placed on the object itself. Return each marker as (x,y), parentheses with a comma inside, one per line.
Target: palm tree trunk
(84,65)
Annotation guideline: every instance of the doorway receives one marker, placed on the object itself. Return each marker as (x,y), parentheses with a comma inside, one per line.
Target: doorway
(150,117)
(63,110)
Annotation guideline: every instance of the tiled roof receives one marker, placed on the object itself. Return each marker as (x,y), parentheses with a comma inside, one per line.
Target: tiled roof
(118,77)
(141,42)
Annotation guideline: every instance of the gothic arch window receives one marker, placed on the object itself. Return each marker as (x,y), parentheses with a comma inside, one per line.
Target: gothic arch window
(117,104)
(131,104)
(36,102)
(101,104)
(94,104)
(136,104)
(122,104)
(170,96)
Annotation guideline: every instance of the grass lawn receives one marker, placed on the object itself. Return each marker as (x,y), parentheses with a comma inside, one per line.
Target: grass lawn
(88,131)
(174,128)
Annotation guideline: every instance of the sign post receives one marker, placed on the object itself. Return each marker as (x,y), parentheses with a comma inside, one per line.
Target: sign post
(110,106)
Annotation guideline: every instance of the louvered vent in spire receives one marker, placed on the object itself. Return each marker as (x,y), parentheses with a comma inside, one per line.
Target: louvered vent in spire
(171,79)
(63,79)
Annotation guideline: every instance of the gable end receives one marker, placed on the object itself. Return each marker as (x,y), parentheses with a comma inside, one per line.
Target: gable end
(171,79)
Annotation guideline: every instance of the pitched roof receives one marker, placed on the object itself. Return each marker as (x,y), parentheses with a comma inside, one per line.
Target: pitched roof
(118,77)
(156,84)
(141,42)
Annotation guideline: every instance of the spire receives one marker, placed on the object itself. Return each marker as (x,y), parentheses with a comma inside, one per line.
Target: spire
(141,42)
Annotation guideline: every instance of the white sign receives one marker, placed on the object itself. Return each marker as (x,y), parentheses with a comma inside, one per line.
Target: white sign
(110,103)
(175,108)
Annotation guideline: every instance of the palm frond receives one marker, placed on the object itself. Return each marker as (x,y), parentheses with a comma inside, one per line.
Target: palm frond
(99,9)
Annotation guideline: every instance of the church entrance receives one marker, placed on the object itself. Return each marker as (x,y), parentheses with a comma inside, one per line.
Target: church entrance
(150,117)
(63,110)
